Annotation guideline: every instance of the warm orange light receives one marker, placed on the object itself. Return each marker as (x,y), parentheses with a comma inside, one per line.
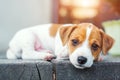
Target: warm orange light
(81,9)
(86,3)
(66,2)
(84,13)
(63,12)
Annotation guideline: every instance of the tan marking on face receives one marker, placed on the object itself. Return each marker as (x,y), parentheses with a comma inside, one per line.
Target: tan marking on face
(95,39)
(78,34)
(107,42)
(65,32)
(53,29)
(104,41)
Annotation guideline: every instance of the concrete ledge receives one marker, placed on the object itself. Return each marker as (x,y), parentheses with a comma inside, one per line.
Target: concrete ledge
(99,71)
(61,70)
(25,70)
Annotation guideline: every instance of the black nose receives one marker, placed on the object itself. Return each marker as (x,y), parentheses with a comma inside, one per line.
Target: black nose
(82,60)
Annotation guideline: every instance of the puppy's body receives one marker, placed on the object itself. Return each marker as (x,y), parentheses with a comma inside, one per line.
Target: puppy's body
(81,43)
(31,43)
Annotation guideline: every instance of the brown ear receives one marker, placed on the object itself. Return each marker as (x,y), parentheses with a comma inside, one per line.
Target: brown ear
(107,43)
(65,32)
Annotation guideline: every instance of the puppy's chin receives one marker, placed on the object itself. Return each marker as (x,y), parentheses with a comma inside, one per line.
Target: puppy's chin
(79,67)
(82,66)
(87,65)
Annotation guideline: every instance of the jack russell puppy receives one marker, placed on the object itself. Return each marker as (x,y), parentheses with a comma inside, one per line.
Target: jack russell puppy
(80,43)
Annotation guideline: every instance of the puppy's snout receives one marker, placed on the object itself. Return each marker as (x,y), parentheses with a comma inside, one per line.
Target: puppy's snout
(82,60)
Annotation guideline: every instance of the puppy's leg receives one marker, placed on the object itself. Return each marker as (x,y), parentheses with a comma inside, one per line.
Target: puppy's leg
(31,53)
(36,55)
(33,49)
(14,53)
(11,55)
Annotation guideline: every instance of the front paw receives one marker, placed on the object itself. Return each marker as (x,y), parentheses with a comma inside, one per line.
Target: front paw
(49,57)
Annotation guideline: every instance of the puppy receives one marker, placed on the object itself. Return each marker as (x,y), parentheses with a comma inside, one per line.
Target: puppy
(80,43)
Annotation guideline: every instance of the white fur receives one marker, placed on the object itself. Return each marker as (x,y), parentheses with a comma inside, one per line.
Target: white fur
(22,46)
(60,51)
(84,51)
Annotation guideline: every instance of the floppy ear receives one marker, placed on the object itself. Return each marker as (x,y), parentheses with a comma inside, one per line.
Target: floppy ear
(107,42)
(65,33)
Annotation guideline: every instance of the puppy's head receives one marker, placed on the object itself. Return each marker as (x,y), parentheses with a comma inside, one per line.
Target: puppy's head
(85,42)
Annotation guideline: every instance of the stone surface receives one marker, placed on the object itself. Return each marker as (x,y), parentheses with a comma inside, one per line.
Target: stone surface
(58,70)
(99,71)
(25,70)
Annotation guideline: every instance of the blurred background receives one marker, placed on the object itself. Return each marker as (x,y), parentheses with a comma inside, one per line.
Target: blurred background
(19,14)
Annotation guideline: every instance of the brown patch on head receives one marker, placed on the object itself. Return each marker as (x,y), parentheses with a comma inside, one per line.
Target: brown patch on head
(53,29)
(77,37)
(65,33)
(99,42)
(95,42)
(107,42)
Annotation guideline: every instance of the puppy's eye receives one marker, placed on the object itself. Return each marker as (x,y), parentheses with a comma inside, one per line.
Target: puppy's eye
(95,46)
(75,42)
